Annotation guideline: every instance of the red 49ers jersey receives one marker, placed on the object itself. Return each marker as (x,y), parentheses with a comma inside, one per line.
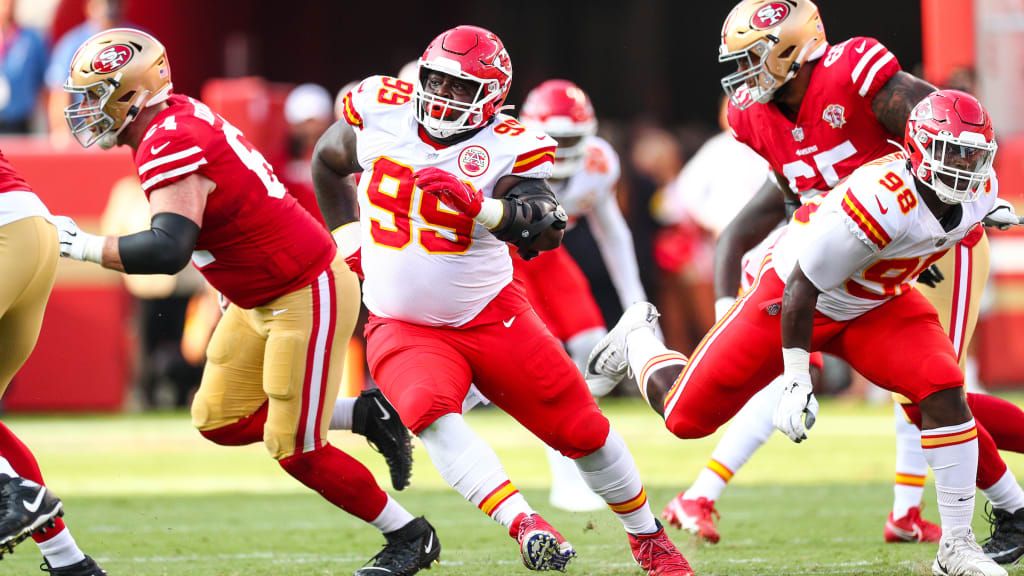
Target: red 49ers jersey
(256,242)
(836,130)
(423,262)
(10,179)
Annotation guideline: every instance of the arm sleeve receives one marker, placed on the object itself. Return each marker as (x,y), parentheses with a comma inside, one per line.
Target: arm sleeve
(835,254)
(615,242)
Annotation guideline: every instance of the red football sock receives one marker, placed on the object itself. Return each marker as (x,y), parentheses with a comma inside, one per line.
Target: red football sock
(339,478)
(1003,420)
(24,463)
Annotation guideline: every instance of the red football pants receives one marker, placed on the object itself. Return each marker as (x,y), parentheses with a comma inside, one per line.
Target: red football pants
(900,346)
(511,357)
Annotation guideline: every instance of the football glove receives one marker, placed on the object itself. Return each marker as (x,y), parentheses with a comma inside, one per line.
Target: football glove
(1002,216)
(455,193)
(797,409)
(931,276)
(347,239)
(76,244)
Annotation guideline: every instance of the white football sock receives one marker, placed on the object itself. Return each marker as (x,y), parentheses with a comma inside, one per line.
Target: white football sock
(61,550)
(341,418)
(472,468)
(646,355)
(612,474)
(748,431)
(1006,493)
(392,517)
(952,453)
(911,466)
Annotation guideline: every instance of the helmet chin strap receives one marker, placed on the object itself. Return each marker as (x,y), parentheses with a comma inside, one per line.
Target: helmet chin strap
(133,112)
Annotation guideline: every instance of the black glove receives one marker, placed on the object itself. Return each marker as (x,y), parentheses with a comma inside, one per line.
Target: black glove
(931,276)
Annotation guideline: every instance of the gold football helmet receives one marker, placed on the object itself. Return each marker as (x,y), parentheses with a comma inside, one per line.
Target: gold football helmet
(769,40)
(115,74)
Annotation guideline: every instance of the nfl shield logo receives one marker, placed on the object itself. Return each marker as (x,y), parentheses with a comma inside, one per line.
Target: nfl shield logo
(798,134)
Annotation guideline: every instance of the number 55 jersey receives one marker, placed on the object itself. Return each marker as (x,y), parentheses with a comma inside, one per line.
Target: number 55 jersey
(835,131)
(256,242)
(423,262)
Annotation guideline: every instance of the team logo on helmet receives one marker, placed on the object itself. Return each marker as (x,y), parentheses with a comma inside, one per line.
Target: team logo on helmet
(503,62)
(835,115)
(473,161)
(111,58)
(769,16)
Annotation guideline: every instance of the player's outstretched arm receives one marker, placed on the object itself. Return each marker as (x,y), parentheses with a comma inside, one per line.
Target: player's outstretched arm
(177,211)
(761,214)
(894,101)
(797,409)
(334,163)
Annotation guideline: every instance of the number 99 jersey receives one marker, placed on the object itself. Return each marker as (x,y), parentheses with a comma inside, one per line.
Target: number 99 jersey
(423,262)
(256,242)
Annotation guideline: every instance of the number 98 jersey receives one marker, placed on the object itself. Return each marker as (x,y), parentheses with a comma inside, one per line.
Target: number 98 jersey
(256,242)
(423,262)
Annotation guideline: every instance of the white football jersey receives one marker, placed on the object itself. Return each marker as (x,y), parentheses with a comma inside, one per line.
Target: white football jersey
(867,240)
(425,263)
(592,183)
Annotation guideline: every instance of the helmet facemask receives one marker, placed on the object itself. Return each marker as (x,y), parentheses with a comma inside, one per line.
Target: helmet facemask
(751,74)
(956,168)
(572,143)
(445,117)
(88,117)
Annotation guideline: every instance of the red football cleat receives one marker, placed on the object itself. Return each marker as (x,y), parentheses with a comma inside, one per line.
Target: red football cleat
(540,545)
(695,516)
(656,554)
(911,528)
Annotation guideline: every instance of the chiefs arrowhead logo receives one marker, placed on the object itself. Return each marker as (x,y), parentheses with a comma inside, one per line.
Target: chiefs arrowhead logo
(111,58)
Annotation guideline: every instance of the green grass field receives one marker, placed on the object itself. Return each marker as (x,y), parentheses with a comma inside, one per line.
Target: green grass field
(146,495)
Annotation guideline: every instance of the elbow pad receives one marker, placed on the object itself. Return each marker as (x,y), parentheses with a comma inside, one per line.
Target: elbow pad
(530,209)
(163,249)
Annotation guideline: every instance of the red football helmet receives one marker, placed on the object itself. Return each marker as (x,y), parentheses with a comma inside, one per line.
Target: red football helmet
(470,53)
(562,110)
(951,144)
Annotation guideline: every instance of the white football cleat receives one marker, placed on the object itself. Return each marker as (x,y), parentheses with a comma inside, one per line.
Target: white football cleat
(608,359)
(960,555)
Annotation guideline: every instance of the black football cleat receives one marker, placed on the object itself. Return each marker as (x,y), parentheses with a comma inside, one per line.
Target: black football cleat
(25,509)
(87,567)
(1006,544)
(374,417)
(409,549)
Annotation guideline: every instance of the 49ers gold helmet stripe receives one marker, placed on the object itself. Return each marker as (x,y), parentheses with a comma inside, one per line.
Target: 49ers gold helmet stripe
(116,73)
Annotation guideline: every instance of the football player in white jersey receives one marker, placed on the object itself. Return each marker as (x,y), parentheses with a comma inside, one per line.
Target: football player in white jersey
(840,279)
(583,177)
(447,181)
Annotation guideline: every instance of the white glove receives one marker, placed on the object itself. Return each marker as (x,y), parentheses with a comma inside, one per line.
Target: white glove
(797,409)
(1002,216)
(76,244)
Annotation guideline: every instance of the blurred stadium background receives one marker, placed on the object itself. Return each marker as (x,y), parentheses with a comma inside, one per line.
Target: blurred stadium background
(651,68)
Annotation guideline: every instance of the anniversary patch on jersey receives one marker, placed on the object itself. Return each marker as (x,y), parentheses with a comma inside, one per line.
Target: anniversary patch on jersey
(474,161)
(111,58)
(835,115)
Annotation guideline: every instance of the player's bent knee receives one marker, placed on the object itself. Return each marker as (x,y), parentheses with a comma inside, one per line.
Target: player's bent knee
(581,434)
(686,428)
